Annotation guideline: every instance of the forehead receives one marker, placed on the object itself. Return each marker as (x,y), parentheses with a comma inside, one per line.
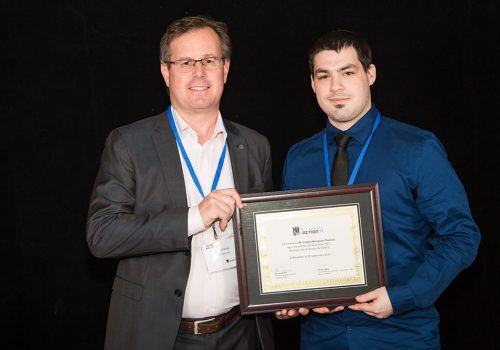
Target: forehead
(332,60)
(196,43)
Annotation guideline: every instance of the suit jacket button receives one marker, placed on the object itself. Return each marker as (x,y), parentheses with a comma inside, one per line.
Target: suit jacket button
(178,293)
(187,253)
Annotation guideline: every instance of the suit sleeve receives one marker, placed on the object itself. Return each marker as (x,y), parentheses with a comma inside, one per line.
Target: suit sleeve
(442,203)
(114,228)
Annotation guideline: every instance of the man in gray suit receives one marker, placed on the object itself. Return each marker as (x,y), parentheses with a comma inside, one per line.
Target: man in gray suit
(163,200)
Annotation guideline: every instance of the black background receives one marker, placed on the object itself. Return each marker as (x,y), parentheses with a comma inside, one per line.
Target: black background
(73,70)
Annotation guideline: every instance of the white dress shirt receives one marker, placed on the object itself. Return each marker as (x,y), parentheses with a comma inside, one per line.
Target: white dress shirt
(207,294)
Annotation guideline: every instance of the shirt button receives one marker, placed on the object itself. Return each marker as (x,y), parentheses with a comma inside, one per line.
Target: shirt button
(187,253)
(348,328)
(178,292)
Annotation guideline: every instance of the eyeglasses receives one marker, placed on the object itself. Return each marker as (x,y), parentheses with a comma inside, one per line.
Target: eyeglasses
(187,65)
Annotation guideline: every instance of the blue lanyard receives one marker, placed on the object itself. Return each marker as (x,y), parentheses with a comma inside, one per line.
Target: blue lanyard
(360,157)
(188,162)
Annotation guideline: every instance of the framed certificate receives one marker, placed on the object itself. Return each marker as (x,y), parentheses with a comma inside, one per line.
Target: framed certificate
(310,248)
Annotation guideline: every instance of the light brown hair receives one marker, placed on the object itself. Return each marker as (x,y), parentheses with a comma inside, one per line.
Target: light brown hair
(187,24)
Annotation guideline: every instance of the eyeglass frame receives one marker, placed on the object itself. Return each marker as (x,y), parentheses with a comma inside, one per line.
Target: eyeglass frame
(193,62)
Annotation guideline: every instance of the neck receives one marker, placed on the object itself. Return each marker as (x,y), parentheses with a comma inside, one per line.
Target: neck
(343,126)
(203,123)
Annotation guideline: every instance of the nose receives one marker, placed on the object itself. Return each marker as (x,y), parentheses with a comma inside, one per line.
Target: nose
(198,69)
(336,84)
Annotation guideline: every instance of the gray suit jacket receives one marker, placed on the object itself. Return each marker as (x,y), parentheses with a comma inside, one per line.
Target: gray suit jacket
(138,213)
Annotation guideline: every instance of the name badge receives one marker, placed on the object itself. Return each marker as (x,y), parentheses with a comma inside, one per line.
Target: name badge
(220,253)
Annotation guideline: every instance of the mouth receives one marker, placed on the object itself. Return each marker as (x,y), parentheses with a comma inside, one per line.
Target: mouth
(199,88)
(339,100)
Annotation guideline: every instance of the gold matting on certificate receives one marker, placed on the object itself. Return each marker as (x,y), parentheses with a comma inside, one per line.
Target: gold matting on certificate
(308,248)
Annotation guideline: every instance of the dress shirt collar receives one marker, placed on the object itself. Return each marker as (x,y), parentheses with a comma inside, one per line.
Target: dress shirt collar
(186,131)
(358,131)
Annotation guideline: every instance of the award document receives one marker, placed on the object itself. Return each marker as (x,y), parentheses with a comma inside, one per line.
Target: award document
(310,248)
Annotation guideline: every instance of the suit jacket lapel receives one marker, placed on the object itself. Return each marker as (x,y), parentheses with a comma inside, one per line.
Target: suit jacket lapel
(168,153)
(237,147)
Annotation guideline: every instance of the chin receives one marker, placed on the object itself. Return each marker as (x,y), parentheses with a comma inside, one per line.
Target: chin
(342,115)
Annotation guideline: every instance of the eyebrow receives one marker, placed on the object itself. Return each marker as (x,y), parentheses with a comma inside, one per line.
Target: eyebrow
(202,57)
(346,67)
(341,69)
(321,71)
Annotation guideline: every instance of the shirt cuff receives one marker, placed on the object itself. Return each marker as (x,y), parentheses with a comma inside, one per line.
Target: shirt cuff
(195,223)
(402,299)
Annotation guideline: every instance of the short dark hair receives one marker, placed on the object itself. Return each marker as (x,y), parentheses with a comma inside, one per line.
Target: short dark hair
(337,40)
(187,24)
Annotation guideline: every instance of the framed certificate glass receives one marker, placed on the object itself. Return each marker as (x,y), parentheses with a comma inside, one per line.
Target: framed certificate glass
(310,248)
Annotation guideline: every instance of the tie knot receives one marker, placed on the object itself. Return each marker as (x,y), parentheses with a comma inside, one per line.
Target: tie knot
(342,140)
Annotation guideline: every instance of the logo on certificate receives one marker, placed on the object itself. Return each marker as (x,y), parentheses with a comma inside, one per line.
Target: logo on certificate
(297,230)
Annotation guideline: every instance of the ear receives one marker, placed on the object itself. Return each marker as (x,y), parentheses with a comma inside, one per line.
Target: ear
(166,73)
(312,84)
(371,72)
(227,62)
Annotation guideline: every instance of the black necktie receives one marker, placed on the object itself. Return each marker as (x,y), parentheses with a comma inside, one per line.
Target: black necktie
(340,170)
